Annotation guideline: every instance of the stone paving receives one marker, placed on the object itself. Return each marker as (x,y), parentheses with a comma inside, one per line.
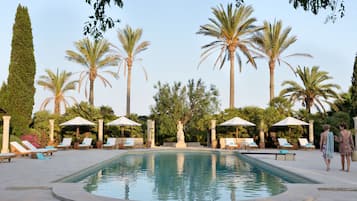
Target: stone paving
(32,179)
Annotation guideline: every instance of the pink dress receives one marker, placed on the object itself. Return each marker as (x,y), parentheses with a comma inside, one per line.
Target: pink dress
(346,143)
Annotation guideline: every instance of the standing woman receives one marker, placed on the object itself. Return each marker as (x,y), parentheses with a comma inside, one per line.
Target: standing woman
(346,146)
(326,145)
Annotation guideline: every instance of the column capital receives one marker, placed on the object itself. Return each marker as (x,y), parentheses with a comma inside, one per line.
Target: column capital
(6,117)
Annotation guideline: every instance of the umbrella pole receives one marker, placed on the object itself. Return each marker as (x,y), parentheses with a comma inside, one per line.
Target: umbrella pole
(122,131)
(236,132)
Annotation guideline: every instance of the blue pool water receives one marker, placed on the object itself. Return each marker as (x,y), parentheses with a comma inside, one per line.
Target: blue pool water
(172,176)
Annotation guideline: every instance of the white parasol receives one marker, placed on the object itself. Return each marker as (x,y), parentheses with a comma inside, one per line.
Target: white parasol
(78,121)
(290,121)
(237,121)
(123,121)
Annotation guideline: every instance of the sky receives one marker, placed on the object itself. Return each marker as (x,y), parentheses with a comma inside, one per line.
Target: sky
(175,49)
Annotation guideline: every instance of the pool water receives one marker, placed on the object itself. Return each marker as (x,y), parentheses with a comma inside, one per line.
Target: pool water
(173,176)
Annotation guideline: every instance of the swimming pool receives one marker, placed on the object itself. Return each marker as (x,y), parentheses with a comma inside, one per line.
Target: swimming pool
(184,175)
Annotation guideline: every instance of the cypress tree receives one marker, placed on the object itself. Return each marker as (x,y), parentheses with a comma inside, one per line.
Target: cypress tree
(22,71)
(354,89)
(3,96)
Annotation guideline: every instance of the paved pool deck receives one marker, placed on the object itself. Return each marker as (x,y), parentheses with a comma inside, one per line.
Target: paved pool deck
(32,179)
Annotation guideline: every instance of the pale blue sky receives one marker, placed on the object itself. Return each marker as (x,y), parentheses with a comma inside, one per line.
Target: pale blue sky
(175,49)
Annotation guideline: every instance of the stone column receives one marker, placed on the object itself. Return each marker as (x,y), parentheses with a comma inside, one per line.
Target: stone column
(213,134)
(100,130)
(52,128)
(5,134)
(150,133)
(261,135)
(311,131)
(355,123)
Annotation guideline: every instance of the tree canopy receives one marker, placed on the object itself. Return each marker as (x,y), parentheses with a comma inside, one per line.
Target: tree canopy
(190,104)
(99,22)
(336,7)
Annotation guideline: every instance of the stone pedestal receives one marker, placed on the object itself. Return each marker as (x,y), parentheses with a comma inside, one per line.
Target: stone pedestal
(180,145)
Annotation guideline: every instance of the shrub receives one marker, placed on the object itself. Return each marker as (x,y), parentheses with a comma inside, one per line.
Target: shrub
(32,138)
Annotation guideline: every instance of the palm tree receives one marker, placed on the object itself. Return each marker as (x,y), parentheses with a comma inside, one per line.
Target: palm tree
(271,43)
(232,29)
(59,84)
(313,92)
(129,40)
(94,57)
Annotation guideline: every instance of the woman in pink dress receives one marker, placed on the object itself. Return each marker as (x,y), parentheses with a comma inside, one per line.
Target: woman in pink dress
(346,146)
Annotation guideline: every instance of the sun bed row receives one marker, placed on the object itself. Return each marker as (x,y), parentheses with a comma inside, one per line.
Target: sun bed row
(122,143)
(246,143)
(235,143)
(112,143)
(283,143)
(28,149)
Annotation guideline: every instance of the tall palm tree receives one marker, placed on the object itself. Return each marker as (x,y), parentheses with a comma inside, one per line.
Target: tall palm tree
(232,29)
(95,57)
(131,46)
(313,91)
(271,43)
(59,84)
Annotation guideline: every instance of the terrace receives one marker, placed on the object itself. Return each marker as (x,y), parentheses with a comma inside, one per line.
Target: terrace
(33,179)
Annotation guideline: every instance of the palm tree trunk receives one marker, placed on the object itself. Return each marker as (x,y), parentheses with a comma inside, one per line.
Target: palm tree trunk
(272,78)
(91,92)
(231,84)
(57,109)
(308,105)
(128,88)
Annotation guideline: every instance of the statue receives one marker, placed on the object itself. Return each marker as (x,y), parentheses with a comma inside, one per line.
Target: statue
(180,136)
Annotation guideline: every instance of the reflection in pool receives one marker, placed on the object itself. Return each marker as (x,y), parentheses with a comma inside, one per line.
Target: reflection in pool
(172,176)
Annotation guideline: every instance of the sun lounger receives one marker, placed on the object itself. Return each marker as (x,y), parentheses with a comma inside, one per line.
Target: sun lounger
(305,144)
(32,148)
(283,143)
(65,144)
(111,143)
(86,143)
(18,149)
(7,156)
(249,143)
(129,142)
(231,144)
